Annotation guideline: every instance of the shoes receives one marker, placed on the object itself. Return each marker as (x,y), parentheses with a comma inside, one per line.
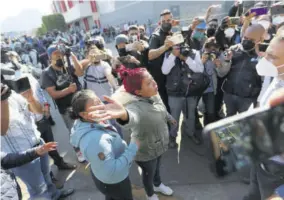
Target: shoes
(57,183)
(195,139)
(80,157)
(153,197)
(173,144)
(66,193)
(66,166)
(165,190)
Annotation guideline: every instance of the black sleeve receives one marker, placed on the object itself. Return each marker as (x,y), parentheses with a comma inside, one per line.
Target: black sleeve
(145,60)
(154,42)
(233,11)
(46,80)
(220,38)
(188,36)
(12,160)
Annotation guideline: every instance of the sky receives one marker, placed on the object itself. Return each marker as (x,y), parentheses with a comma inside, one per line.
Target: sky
(9,8)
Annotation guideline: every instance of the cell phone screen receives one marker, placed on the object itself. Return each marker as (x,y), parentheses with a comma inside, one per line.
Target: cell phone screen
(260,11)
(253,136)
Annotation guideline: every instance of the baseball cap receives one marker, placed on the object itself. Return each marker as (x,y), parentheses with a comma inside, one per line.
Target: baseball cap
(202,25)
(52,48)
(121,39)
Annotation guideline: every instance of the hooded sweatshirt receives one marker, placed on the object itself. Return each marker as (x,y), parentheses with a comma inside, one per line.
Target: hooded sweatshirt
(109,156)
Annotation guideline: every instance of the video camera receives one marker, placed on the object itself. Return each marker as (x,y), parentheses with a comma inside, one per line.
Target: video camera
(19,85)
(186,51)
(64,49)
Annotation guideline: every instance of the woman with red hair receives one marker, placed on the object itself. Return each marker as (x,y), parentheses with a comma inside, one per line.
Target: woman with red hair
(138,107)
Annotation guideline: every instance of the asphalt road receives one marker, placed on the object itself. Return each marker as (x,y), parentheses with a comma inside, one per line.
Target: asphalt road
(185,170)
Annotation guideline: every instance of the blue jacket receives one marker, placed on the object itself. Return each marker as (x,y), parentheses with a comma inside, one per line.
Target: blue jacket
(109,156)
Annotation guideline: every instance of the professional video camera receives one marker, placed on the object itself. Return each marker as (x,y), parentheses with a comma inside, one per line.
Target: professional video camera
(64,49)
(186,51)
(18,84)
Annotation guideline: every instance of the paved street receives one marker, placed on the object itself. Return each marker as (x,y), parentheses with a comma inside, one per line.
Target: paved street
(185,170)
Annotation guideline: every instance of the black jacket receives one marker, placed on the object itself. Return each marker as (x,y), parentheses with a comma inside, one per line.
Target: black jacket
(236,10)
(242,79)
(9,186)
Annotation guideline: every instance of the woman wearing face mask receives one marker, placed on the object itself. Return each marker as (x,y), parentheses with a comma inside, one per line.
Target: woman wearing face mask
(145,114)
(109,156)
(59,84)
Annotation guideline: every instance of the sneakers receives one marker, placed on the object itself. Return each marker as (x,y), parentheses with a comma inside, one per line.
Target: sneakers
(153,197)
(80,157)
(165,190)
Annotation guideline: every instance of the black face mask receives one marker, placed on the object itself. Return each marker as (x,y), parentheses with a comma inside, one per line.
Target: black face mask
(248,45)
(210,32)
(59,63)
(166,27)
(122,52)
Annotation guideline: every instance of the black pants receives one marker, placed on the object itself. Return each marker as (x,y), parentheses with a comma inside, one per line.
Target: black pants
(44,128)
(118,191)
(209,103)
(150,174)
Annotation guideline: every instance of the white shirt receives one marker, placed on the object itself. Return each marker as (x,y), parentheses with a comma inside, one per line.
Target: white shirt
(266,82)
(22,133)
(195,65)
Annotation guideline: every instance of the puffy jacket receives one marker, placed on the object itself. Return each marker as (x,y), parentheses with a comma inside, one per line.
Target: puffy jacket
(9,186)
(148,123)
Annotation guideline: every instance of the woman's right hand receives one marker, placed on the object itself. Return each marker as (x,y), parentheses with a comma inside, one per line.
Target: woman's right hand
(111,110)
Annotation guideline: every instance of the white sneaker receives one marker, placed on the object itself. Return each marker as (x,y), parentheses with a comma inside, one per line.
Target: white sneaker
(153,197)
(80,157)
(165,190)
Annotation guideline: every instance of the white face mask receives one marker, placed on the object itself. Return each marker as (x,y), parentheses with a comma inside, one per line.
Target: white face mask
(265,24)
(266,68)
(278,20)
(229,32)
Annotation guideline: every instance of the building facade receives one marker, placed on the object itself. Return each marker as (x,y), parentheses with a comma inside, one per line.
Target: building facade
(78,14)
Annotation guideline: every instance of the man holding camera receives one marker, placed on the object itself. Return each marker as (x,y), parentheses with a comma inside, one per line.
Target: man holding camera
(60,83)
(160,43)
(242,84)
(178,65)
(19,133)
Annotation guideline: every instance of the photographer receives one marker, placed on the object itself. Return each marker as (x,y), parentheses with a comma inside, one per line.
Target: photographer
(242,84)
(19,134)
(59,82)
(178,65)
(212,60)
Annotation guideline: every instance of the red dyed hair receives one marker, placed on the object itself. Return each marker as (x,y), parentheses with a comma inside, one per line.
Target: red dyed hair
(132,78)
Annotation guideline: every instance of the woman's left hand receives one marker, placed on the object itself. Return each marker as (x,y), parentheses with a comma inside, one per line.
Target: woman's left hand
(111,110)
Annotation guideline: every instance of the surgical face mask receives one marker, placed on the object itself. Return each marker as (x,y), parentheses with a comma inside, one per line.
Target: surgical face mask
(198,35)
(211,32)
(122,52)
(59,63)
(266,68)
(265,24)
(166,27)
(278,20)
(229,32)
(248,45)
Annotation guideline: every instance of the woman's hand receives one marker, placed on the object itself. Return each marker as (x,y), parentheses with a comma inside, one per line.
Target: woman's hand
(51,146)
(111,110)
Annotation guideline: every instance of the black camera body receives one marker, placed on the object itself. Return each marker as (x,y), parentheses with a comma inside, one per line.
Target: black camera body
(64,49)
(186,51)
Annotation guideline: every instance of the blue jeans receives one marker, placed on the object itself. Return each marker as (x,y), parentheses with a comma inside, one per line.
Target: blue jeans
(178,105)
(36,175)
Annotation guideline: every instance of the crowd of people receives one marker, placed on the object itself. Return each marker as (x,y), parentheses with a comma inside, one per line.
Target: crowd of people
(235,64)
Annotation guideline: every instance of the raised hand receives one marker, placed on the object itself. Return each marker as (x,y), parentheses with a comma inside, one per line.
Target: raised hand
(50,146)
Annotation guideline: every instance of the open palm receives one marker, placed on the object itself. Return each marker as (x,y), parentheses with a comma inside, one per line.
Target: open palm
(111,110)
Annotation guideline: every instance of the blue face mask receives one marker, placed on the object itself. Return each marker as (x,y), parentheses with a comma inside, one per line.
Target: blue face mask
(198,35)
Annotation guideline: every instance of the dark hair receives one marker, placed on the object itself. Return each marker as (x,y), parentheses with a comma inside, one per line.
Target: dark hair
(211,42)
(78,103)
(132,78)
